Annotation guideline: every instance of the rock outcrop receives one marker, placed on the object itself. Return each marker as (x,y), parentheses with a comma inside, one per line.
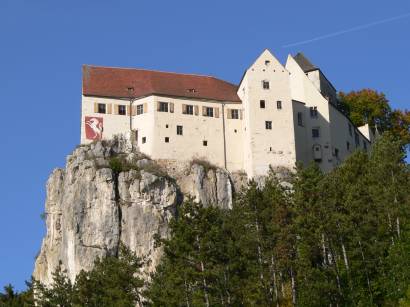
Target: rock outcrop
(107,195)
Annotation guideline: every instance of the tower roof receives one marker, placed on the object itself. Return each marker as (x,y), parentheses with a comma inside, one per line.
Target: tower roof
(304,63)
(114,82)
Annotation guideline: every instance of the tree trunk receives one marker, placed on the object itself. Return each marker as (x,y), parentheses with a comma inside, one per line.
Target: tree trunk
(206,298)
(293,287)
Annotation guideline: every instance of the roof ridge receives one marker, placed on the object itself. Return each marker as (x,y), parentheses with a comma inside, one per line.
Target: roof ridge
(155,70)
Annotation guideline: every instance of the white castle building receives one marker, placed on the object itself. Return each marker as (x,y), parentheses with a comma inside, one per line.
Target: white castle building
(276,116)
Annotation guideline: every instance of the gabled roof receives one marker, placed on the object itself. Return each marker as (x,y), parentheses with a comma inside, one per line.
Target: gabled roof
(114,82)
(304,63)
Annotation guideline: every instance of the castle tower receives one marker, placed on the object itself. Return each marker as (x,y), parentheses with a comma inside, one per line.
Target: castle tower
(269,137)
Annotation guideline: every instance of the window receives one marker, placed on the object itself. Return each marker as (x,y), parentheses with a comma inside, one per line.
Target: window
(140,109)
(179,130)
(364,145)
(350,130)
(101,108)
(313,112)
(315,132)
(347,145)
(265,85)
(122,110)
(336,153)
(356,139)
(279,104)
(163,107)
(209,112)
(234,114)
(166,139)
(144,140)
(267,62)
(268,125)
(166,126)
(189,109)
(262,104)
(300,119)
(205,143)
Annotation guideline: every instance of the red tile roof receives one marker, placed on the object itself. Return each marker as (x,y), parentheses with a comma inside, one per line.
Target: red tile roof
(114,82)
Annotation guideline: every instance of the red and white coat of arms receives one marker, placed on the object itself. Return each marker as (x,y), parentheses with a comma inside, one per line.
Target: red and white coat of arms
(93,128)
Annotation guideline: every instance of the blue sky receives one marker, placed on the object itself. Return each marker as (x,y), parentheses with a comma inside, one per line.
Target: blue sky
(43,44)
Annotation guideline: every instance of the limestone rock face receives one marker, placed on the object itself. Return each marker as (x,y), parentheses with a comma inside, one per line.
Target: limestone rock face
(93,205)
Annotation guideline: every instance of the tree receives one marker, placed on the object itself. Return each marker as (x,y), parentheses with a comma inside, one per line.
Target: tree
(11,298)
(368,106)
(113,281)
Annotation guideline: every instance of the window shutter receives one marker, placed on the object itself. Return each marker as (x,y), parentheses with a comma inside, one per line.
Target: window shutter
(128,110)
(158,106)
(95,107)
(116,107)
(204,111)
(145,108)
(171,107)
(240,114)
(229,113)
(184,109)
(109,108)
(196,110)
(134,110)
(216,112)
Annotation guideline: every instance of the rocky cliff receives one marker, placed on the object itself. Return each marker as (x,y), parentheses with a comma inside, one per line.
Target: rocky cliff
(107,194)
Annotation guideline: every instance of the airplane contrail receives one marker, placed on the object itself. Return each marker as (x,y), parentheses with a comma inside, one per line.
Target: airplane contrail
(357,28)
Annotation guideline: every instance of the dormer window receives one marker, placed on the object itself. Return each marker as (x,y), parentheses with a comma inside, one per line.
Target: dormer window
(265,85)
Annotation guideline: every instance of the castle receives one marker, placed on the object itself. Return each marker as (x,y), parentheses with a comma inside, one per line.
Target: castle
(276,116)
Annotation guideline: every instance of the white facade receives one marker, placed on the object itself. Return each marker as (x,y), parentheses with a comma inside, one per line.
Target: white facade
(284,115)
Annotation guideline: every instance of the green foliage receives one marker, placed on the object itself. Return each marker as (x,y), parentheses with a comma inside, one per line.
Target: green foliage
(371,107)
(336,239)
(113,281)
(11,298)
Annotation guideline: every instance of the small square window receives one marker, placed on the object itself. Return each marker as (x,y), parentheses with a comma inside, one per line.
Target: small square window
(209,112)
(166,139)
(315,132)
(101,108)
(235,114)
(122,110)
(205,143)
(144,140)
(262,104)
(313,112)
(140,109)
(179,130)
(279,104)
(189,109)
(267,62)
(163,107)
(265,85)
(300,119)
(268,125)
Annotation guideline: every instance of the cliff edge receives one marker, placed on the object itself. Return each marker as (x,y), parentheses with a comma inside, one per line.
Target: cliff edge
(108,194)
